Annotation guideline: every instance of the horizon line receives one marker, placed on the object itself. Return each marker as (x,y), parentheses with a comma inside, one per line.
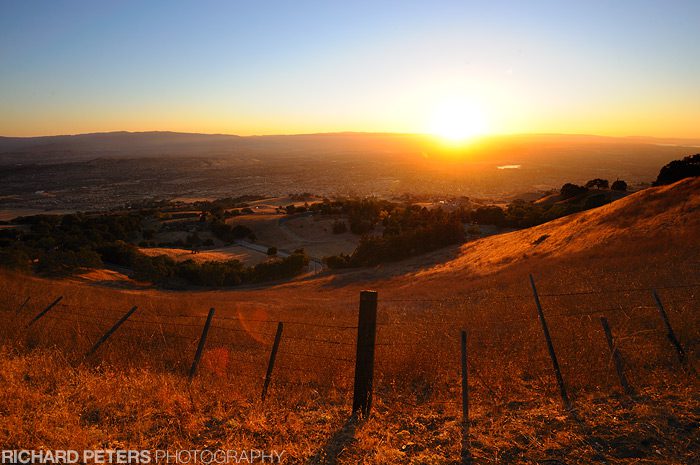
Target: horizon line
(329,133)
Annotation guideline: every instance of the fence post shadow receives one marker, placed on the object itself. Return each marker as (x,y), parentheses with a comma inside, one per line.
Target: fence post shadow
(336,444)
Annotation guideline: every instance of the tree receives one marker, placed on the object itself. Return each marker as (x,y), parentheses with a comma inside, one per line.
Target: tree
(217,212)
(679,169)
(569,190)
(597,183)
(619,185)
(489,215)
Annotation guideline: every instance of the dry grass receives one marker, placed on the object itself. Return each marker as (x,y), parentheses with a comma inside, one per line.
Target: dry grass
(232,252)
(133,392)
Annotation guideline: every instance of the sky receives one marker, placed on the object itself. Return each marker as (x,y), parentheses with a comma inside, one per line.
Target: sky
(628,67)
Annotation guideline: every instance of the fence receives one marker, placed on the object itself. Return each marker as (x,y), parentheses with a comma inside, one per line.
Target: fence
(566,339)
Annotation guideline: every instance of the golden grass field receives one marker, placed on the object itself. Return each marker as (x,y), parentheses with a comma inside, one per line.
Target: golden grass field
(133,393)
(232,252)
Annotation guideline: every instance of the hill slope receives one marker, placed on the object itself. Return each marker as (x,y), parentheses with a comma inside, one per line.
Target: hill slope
(651,221)
(133,393)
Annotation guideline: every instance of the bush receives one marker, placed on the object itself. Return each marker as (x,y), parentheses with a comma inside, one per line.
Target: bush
(155,269)
(278,269)
(337,261)
(619,185)
(228,233)
(569,190)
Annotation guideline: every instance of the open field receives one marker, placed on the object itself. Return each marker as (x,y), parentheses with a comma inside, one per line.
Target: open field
(606,261)
(312,233)
(234,252)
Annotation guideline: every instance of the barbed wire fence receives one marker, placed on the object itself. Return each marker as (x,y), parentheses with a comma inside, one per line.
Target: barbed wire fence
(609,336)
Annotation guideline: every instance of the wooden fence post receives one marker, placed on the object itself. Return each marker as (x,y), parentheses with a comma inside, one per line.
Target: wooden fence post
(364,358)
(550,347)
(111,331)
(617,359)
(271,363)
(44,311)
(466,455)
(669,330)
(200,346)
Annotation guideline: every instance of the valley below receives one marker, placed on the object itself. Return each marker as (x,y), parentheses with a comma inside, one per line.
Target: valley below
(115,265)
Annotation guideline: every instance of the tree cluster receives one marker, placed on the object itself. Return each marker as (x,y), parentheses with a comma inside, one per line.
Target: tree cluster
(407,232)
(679,169)
(62,244)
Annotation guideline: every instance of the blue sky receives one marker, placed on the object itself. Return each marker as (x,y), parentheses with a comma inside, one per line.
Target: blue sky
(624,67)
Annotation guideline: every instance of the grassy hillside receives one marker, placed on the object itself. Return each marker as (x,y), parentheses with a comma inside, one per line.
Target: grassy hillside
(133,391)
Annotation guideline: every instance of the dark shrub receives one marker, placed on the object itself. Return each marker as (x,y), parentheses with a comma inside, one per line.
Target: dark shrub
(569,190)
(679,169)
(619,185)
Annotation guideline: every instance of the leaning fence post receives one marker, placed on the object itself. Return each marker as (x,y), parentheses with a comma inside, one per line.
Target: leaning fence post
(669,330)
(550,347)
(111,331)
(617,359)
(202,342)
(44,311)
(466,456)
(364,358)
(21,307)
(271,363)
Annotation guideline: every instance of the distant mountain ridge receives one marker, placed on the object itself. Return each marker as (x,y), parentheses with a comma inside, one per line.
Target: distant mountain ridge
(157,143)
(566,149)
(106,141)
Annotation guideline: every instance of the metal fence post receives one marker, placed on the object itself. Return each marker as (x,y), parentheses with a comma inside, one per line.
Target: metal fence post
(200,346)
(669,330)
(111,331)
(550,347)
(617,359)
(271,363)
(44,311)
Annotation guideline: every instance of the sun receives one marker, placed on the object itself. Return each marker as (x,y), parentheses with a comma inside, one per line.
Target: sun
(457,121)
